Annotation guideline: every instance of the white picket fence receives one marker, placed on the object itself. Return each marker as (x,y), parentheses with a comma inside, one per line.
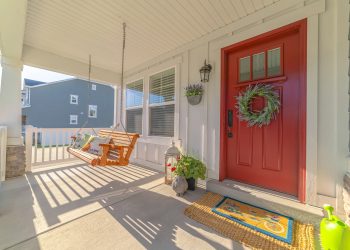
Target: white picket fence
(3,146)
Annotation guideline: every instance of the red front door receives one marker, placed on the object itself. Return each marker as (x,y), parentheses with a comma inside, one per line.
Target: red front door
(271,156)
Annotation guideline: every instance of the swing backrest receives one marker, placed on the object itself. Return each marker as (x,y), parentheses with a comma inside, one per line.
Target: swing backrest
(127,140)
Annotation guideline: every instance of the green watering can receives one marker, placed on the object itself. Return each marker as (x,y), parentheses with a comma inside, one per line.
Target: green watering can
(335,234)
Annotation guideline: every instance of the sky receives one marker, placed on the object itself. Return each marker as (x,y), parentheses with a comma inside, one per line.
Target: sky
(43,75)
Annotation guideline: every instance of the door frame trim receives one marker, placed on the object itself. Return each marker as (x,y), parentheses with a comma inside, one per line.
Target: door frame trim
(301,27)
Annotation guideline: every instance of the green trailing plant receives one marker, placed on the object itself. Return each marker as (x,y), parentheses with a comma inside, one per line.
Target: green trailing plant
(268,113)
(189,166)
(194,90)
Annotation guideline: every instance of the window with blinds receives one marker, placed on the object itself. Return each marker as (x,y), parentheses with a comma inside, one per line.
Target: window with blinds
(162,120)
(134,120)
(134,106)
(162,103)
(134,94)
(162,87)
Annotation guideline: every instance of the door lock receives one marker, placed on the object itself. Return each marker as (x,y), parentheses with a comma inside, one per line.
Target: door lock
(229,122)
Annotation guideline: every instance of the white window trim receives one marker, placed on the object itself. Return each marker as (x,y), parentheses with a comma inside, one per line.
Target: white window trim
(70,119)
(135,107)
(71,99)
(145,111)
(92,106)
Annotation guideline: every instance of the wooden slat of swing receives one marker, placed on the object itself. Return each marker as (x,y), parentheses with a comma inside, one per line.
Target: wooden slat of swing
(116,153)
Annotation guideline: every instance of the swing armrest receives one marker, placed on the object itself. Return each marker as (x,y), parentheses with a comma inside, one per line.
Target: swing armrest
(105,151)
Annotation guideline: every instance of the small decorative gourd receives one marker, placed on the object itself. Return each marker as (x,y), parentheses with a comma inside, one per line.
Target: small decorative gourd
(179,185)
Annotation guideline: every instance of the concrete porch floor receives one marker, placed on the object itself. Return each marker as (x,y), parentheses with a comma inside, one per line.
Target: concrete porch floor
(73,206)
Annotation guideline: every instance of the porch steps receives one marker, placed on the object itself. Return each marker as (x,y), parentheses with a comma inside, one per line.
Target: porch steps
(280,203)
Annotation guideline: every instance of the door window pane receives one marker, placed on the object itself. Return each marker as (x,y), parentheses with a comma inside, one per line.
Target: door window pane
(244,69)
(259,65)
(274,62)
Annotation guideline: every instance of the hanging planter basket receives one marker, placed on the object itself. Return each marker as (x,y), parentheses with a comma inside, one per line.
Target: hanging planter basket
(194,99)
(194,93)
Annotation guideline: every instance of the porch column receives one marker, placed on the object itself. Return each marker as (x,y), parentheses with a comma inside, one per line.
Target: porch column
(11,114)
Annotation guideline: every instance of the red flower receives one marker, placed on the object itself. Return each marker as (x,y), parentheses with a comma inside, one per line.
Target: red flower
(173,169)
(168,165)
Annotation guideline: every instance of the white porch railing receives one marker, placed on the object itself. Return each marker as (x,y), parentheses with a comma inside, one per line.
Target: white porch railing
(49,146)
(3,146)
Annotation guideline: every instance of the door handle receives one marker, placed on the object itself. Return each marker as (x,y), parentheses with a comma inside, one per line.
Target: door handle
(230,118)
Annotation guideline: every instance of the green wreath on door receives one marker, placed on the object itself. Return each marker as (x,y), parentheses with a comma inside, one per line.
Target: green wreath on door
(267,114)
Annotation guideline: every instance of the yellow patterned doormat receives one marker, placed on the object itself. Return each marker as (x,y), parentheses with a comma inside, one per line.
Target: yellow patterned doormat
(201,211)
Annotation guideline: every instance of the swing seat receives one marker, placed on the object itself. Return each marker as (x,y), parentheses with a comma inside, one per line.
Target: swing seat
(116,153)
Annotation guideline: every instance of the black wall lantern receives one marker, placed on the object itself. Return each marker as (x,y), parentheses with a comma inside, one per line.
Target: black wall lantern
(205,72)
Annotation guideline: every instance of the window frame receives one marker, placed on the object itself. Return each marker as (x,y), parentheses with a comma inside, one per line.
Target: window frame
(70,119)
(145,75)
(93,87)
(91,106)
(71,99)
(257,51)
(135,107)
(149,105)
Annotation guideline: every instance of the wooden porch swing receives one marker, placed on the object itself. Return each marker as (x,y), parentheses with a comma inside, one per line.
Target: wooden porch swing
(118,151)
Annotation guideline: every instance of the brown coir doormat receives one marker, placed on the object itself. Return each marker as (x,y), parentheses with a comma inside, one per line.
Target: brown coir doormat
(201,211)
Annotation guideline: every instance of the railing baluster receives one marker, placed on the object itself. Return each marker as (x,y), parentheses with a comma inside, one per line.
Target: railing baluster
(3,145)
(42,146)
(56,140)
(70,136)
(62,143)
(29,146)
(36,145)
(50,141)
(64,139)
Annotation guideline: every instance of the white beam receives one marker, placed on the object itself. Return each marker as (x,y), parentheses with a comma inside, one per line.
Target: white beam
(49,61)
(12,26)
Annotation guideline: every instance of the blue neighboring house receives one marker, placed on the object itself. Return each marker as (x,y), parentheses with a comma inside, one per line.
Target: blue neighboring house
(67,104)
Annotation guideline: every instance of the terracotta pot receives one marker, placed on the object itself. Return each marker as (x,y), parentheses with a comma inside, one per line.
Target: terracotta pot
(194,99)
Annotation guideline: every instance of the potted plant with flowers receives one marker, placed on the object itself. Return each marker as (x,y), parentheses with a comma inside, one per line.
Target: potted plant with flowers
(194,93)
(191,169)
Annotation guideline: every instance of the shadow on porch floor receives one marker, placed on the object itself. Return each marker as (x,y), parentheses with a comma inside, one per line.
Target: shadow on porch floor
(75,206)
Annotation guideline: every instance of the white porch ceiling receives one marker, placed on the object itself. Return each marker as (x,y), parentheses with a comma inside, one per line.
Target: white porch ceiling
(76,28)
